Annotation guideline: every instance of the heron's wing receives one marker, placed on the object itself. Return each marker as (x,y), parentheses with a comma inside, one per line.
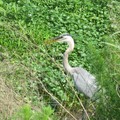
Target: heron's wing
(84,81)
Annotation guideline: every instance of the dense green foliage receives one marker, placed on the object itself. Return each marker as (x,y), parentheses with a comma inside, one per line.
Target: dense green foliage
(26,24)
(26,113)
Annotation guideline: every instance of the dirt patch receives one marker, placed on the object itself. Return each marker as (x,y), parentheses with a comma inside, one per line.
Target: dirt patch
(9,100)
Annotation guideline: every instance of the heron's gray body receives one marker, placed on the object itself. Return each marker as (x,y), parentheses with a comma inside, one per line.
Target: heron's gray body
(84,81)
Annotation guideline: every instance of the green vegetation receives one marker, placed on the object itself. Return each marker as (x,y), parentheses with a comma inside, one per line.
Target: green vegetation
(26,113)
(33,70)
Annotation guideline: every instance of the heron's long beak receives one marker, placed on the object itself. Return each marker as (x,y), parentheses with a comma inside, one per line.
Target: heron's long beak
(55,39)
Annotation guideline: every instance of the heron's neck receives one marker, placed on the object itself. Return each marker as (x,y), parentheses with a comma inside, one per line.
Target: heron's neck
(65,58)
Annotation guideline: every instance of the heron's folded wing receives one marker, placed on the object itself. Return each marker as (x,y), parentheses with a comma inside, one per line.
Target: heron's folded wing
(85,82)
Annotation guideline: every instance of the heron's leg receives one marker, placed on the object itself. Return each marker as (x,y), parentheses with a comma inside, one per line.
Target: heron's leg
(84,116)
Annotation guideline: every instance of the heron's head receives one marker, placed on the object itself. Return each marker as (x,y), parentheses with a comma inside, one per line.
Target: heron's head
(62,38)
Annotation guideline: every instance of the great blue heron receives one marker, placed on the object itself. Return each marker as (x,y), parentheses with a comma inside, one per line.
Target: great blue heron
(84,81)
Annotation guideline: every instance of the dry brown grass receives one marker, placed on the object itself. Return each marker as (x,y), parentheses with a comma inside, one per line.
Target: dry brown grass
(10,101)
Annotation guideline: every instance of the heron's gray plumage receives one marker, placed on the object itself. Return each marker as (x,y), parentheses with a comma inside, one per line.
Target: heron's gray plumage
(84,81)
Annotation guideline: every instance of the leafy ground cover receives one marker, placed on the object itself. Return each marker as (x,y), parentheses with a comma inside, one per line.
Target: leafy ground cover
(35,72)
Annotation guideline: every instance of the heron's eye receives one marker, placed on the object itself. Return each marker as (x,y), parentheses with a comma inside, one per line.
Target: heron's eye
(63,38)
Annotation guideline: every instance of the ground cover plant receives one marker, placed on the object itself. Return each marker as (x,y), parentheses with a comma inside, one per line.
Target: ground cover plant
(34,71)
